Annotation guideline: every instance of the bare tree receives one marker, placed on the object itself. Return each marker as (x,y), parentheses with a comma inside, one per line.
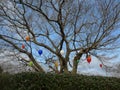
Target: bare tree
(79,27)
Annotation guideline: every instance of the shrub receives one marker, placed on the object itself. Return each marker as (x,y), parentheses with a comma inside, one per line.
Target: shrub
(1,70)
(5,83)
(41,81)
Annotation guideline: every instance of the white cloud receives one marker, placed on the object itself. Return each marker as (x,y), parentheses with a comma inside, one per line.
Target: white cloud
(94,69)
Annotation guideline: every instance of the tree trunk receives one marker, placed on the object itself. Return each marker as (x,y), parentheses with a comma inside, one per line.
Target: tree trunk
(63,66)
(66,68)
(75,62)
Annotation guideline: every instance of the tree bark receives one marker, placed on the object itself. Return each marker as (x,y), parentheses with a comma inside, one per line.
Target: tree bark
(65,68)
(75,63)
(61,66)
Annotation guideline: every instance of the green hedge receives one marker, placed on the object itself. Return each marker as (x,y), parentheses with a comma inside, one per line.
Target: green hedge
(39,81)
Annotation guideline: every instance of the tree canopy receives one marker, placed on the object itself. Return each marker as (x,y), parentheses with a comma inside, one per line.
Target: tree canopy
(61,30)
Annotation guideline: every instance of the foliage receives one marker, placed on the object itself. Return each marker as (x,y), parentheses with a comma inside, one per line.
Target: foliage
(1,70)
(5,83)
(41,81)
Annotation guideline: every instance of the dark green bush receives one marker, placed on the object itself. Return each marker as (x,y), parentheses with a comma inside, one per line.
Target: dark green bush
(1,70)
(41,81)
(5,83)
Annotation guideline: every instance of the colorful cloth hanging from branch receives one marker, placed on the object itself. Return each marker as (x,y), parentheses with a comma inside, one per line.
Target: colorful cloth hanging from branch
(40,52)
(56,64)
(89,59)
(23,46)
(101,65)
(30,63)
(78,61)
(27,38)
(62,52)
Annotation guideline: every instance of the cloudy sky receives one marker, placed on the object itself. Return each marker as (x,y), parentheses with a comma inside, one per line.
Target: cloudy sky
(85,68)
(94,67)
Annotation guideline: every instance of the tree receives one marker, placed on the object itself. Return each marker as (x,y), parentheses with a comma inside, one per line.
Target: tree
(79,27)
